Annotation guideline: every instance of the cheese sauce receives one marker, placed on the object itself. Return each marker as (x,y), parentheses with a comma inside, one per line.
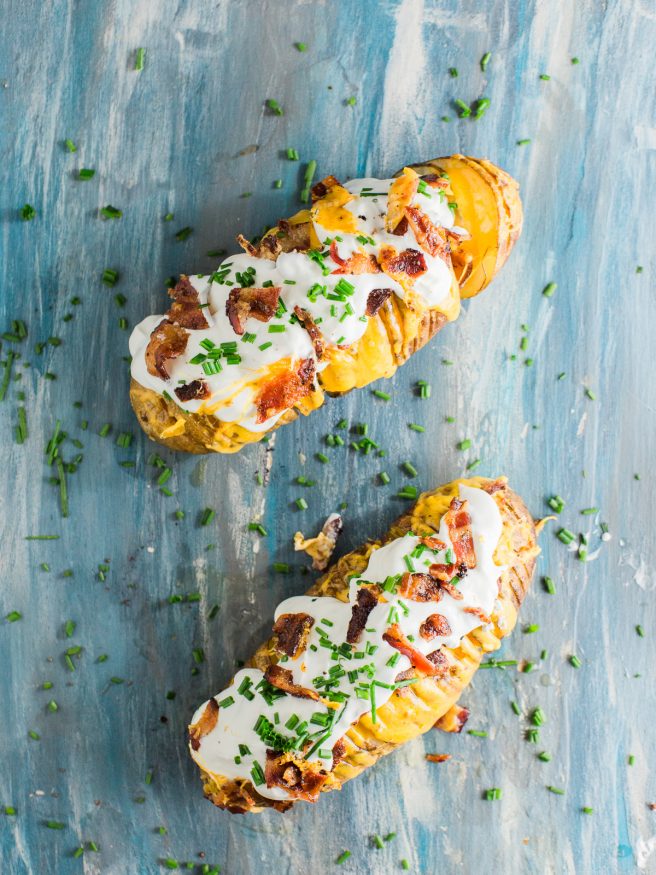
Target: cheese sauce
(336,302)
(352,680)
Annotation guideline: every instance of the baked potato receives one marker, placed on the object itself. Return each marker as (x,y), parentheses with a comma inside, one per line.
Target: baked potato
(377,652)
(330,300)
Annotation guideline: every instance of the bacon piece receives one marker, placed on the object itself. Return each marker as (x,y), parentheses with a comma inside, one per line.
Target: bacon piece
(435,626)
(185,309)
(339,751)
(452,590)
(268,247)
(192,391)
(283,679)
(365,602)
(433,543)
(478,612)
(439,662)
(420,588)
(285,390)
(375,300)
(204,725)
(453,720)
(293,631)
(320,189)
(436,181)
(321,548)
(458,524)
(300,783)
(258,303)
(396,639)
(428,235)
(334,254)
(312,329)
(408,264)
(357,264)
(167,341)
(438,757)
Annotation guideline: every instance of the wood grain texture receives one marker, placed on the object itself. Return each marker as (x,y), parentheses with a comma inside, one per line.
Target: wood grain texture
(178,137)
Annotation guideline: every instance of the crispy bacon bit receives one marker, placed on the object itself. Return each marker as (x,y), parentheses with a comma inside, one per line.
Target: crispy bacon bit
(282,678)
(320,189)
(433,543)
(285,390)
(321,548)
(357,264)
(409,263)
(458,524)
(435,181)
(428,236)
(204,725)
(452,590)
(453,720)
(339,751)
(401,228)
(312,329)
(334,254)
(260,304)
(192,391)
(167,341)
(420,588)
(396,639)
(439,662)
(375,300)
(292,631)
(269,247)
(400,196)
(185,309)
(365,603)
(300,783)
(435,626)
(477,612)
(438,757)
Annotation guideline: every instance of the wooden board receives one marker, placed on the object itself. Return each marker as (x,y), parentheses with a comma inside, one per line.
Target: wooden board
(189,135)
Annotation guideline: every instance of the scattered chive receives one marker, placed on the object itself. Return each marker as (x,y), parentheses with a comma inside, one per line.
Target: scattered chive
(28,213)
(139,59)
(485,60)
(549,290)
(207,516)
(86,173)
(523,142)
(274,106)
(555,790)
(574,661)
(343,857)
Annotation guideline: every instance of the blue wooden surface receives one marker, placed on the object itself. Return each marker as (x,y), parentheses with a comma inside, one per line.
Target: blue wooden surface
(180,137)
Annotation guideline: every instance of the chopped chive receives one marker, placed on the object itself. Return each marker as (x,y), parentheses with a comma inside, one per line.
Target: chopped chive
(478,733)
(574,661)
(274,106)
(139,59)
(532,627)
(523,142)
(110,277)
(414,427)
(207,516)
(343,857)
(13,616)
(384,396)
(301,504)
(485,60)
(54,824)
(493,793)
(464,445)
(301,47)
(590,394)
(110,212)
(453,72)
(587,810)
(555,790)
(28,213)
(640,631)
(549,290)
(292,154)
(86,173)
(70,146)
(515,708)
(464,111)
(384,478)
(183,234)
(409,469)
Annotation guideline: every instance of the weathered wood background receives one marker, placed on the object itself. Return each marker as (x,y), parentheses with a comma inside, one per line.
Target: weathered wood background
(189,135)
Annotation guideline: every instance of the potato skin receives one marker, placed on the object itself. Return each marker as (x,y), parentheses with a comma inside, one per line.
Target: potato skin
(488,205)
(415,709)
